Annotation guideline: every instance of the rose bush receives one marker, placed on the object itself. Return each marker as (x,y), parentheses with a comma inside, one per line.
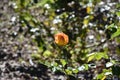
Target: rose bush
(92,27)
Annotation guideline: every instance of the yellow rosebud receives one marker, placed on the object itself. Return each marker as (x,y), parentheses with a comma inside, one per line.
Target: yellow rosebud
(61,39)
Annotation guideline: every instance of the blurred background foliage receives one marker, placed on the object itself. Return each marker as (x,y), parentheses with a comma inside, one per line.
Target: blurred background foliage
(93,27)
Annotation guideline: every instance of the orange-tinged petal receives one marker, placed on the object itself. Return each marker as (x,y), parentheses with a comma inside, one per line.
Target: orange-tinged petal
(61,39)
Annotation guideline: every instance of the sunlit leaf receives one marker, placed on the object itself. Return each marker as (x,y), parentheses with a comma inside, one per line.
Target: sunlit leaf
(63,62)
(103,78)
(75,70)
(47,53)
(104,74)
(100,55)
(96,56)
(68,71)
(117,33)
(86,21)
(111,26)
(118,14)
(54,64)
(90,57)
(86,66)
(100,76)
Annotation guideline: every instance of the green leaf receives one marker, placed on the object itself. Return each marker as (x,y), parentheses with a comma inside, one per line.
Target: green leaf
(63,62)
(100,55)
(47,63)
(117,5)
(103,75)
(100,76)
(47,53)
(27,16)
(86,66)
(111,26)
(110,30)
(75,71)
(35,56)
(97,56)
(23,3)
(117,33)
(90,57)
(114,31)
(68,71)
(118,14)
(55,64)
